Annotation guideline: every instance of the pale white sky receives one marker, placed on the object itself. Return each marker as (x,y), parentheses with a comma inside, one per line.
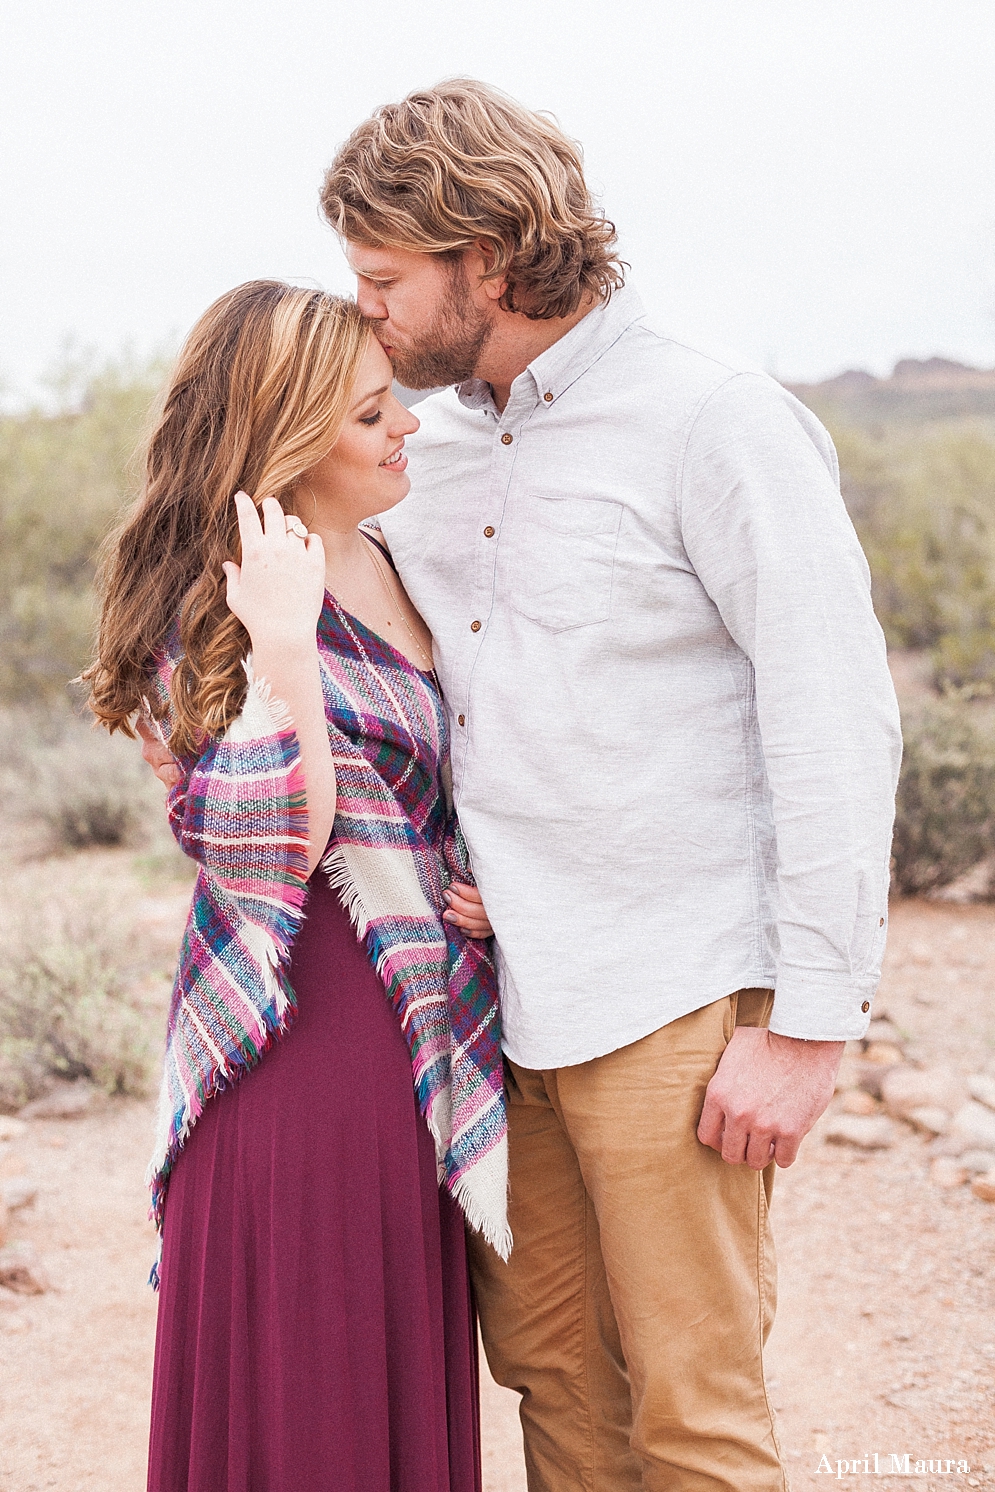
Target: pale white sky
(810,182)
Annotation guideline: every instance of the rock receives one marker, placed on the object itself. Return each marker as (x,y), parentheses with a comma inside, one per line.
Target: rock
(11,1129)
(983,1187)
(882,1030)
(975,1123)
(3,1222)
(949,1144)
(977,1162)
(18,1194)
(849,1074)
(856,1101)
(65,1101)
(929,1121)
(883,1053)
(21,1271)
(906,1088)
(947,1172)
(982,1087)
(865,1132)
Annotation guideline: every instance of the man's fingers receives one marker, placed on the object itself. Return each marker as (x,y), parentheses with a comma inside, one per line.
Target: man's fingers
(711,1123)
(786,1150)
(158,756)
(759,1150)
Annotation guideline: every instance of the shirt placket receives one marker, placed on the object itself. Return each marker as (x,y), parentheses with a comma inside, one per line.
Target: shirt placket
(490,521)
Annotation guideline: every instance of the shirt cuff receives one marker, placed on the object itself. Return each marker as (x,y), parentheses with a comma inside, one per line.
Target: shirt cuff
(815,1006)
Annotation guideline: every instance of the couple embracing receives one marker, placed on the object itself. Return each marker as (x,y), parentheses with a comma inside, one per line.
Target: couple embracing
(600,599)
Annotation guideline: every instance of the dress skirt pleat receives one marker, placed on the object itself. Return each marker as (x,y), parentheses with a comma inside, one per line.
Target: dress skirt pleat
(316,1329)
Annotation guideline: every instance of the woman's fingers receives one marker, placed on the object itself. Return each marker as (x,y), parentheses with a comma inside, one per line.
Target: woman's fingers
(274,519)
(249,527)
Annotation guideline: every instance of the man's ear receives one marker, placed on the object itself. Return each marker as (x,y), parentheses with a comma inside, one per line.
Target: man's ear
(480,263)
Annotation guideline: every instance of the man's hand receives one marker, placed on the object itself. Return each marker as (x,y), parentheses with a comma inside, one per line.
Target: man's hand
(466,911)
(766,1094)
(159,757)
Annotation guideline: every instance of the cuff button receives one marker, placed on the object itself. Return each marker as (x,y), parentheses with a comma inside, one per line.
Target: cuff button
(866,1006)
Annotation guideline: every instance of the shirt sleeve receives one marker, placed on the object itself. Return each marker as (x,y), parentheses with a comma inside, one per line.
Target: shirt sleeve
(766,531)
(240,812)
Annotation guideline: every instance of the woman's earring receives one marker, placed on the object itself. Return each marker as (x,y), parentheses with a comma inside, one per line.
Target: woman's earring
(314,505)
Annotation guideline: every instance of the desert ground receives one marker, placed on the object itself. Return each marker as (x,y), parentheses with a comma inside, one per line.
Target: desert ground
(885,1337)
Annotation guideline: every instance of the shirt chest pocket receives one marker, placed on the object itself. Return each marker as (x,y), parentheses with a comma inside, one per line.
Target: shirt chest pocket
(568,560)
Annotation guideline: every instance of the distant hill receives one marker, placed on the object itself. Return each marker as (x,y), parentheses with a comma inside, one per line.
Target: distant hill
(917,392)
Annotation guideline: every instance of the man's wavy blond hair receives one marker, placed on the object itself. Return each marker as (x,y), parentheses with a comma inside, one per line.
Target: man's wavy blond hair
(461,163)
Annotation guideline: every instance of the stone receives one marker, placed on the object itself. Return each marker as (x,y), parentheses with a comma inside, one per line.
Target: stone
(977,1162)
(870,1132)
(882,1030)
(983,1187)
(883,1053)
(947,1172)
(982,1087)
(18,1194)
(64,1101)
(4,1220)
(856,1101)
(929,1121)
(906,1088)
(21,1271)
(11,1129)
(976,1123)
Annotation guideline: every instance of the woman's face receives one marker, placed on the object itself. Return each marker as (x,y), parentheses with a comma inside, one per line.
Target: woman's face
(365,471)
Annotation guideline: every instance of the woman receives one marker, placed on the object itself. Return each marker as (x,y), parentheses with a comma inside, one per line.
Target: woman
(315,1323)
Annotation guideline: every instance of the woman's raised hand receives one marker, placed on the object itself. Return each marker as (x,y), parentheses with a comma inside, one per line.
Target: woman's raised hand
(278,590)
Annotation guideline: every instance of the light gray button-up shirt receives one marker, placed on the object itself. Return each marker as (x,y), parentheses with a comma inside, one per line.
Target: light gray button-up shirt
(675,738)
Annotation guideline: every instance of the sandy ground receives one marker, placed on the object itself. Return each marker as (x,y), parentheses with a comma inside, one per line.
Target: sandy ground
(885,1339)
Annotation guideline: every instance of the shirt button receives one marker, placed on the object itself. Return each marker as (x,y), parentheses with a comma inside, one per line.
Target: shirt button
(506,439)
(880,922)
(866,1006)
(488,532)
(474,626)
(548,398)
(460,719)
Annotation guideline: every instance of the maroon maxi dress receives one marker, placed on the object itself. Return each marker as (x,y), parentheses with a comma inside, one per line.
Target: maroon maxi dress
(316,1329)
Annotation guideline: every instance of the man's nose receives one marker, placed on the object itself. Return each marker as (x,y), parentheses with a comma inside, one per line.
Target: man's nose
(369,302)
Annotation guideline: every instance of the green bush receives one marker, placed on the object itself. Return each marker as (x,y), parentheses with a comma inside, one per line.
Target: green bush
(945,815)
(923,503)
(64,479)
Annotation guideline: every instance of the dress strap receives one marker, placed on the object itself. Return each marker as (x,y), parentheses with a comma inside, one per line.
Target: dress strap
(377,545)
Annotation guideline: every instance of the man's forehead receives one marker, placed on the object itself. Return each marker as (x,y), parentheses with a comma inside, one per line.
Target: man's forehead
(374,261)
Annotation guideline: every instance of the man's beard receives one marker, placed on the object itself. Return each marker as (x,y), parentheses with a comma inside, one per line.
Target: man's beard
(451,348)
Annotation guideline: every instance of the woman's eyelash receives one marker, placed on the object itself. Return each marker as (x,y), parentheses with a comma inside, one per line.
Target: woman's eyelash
(371,419)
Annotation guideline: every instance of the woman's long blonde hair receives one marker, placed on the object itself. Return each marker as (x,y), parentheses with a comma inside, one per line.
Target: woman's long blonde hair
(259,396)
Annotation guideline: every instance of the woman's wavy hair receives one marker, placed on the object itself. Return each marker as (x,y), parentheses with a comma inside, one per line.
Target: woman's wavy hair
(461,163)
(259,396)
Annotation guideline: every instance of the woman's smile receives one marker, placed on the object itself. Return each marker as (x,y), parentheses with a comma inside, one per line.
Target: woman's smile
(397,461)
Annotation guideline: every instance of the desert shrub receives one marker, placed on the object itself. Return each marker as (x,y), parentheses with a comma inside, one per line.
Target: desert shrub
(78,786)
(67,1007)
(64,478)
(945,816)
(923,503)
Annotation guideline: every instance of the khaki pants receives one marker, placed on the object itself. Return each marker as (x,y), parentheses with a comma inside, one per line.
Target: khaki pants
(633,1312)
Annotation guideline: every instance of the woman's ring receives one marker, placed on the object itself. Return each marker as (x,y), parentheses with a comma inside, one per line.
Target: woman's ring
(295,526)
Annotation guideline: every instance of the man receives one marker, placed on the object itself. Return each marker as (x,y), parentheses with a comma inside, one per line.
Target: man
(675,747)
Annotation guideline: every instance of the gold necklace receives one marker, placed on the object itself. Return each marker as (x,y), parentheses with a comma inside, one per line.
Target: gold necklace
(404,621)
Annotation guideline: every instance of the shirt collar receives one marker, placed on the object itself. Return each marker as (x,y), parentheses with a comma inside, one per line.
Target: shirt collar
(554,370)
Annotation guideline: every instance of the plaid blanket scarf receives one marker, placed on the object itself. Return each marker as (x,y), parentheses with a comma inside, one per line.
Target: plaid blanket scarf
(240,812)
